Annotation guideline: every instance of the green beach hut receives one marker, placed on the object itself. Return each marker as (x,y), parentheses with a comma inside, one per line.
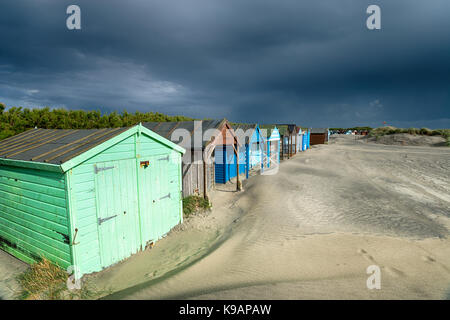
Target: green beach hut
(87,198)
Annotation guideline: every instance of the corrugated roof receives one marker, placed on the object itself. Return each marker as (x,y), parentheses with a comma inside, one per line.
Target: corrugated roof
(243,126)
(247,128)
(284,129)
(54,146)
(166,129)
(319,130)
(268,129)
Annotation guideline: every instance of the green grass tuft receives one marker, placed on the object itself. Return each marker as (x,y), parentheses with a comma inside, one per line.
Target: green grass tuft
(193,204)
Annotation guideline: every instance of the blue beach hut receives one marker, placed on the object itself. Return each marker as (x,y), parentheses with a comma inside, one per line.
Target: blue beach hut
(250,136)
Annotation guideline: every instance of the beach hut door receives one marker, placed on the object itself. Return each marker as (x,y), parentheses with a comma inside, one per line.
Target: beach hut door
(273,153)
(160,197)
(117,212)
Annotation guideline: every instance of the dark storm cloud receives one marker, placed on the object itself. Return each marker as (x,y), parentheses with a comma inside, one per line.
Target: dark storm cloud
(312,62)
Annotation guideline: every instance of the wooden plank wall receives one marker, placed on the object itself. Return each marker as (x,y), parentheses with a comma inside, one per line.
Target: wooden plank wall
(33,215)
(192,174)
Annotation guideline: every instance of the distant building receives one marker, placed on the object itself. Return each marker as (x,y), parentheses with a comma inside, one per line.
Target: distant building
(319,136)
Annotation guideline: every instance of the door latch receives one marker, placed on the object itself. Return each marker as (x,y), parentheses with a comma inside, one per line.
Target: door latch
(100,220)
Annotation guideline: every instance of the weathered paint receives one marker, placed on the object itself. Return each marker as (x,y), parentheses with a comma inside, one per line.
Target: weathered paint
(192,173)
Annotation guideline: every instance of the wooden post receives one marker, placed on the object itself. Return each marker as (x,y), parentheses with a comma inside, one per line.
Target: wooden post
(292,146)
(296,142)
(238,181)
(247,160)
(205,188)
(289,146)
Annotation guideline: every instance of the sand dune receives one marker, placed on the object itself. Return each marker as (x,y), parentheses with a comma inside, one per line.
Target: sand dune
(310,232)
(405,139)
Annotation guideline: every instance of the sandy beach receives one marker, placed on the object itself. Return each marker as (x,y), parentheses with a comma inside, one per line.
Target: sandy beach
(309,232)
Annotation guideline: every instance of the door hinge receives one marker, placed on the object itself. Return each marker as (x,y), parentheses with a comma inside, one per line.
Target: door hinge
(97,169)
(100,220)
(167,196)
(165,158)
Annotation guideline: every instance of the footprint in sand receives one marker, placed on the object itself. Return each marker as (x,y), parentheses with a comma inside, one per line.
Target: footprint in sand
(389,270)
(393,272)
(151,274)
(428,259)
(365,255)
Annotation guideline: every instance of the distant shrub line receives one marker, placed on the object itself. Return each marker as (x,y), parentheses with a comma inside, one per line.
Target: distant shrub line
(16,119)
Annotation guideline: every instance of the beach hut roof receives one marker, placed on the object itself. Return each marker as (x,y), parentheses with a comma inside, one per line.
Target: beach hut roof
(244,126)
(286,129)
(166,129)
(54,146)
(248,126)
(64,148)
(268,128)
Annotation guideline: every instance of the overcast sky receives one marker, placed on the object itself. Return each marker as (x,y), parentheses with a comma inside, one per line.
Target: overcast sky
(310,62)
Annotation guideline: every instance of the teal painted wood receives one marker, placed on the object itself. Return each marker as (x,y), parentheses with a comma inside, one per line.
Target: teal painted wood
(56,214)
(117,210)
(85,197)
(33,215)
(127,187)
(159,190)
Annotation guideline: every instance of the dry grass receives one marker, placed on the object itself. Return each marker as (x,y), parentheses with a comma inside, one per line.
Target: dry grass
(43,280)
(46,281)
